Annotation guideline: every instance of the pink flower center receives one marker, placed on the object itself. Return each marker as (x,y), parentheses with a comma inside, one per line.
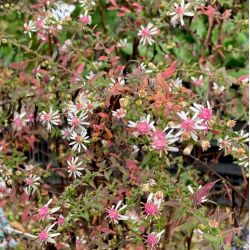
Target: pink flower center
(43,211)
(18,122)
(159,143)
(198,82)
(85,20)
(39,24)
(43,235)
(72,167)
(142,127)
(206,114)
(60,220)
(47,117)
(180,11)
(158,134)
(113,214)
(187,125)
(151,209)
(29,181)
(75,121)
(145,32)
(78,139)
(152,240)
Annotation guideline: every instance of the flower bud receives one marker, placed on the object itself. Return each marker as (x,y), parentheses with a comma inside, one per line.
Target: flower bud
(124,102)
(145,187)
(188,149)
(231,123)
(185,136)
(205,145)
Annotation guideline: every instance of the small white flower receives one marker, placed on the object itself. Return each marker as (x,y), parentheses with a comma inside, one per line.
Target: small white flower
(242,136)
(204,113)
(123,43)
(119,113)
(32,183)
(145,69)
(146,34)
(29,27)
(197,81)
(78,120)
(47,235)
(189,125)
(79,141)
(74,167)
(118,80)
(179,12)
(49,119)
(85,19)
(90,76)
(66,133)
(225,144)
(142,127)
(177,83)
(218,89)
(114,212)
(45,212)
(19,121)
(62,11)
(244,162)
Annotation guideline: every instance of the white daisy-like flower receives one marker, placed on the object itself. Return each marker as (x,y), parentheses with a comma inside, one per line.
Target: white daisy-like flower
(123,43)
(244,162)
(242,136)
(189,126)
(197,81)
(144,68)
(177,83)
(32,183)
(74,167)
(218,89)
(45,212)
(153,239)
(142,127)
(162,142)
(226,144)
(19,121)
(66,133)
(50,118)
(146,34)
(85,19)
(179,12)
(47,235)
(79,140)
(91,75)
(114,213)
(204,113)
(62,11)
(119,113)
(29,28)
(118,80)
(78,120)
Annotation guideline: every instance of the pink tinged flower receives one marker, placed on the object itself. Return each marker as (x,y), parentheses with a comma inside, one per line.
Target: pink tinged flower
(189,125)
(146,34)
(153,239)
(45,212)
(79,140)
(143,127)
(119,113)
(77,120)
(179,12)
(204,113)
(19,121)
(151,209)
(85,19)
(162,141)
(74,167)
(60,220)
(197,81)
(32,183)
(47,235)
(114,213)
(49,119)
(225,144)
(29,28)
(66,133)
